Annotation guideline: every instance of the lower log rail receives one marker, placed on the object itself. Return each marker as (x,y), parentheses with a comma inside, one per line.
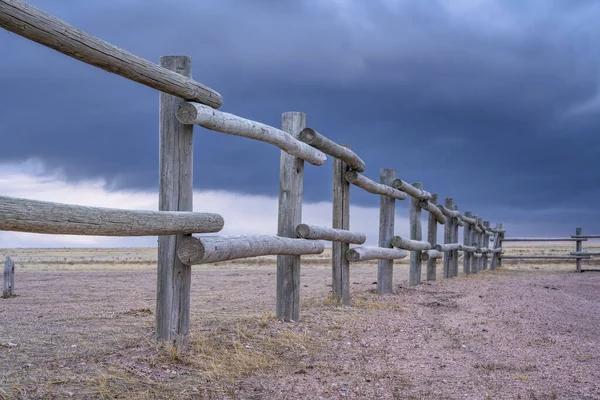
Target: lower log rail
(373,187)
(23,215)
(522,239)
(374,253)
(449,247)
(543,257)
(431,254)
(335,235)
(408,244)
(585,253)
(208,249)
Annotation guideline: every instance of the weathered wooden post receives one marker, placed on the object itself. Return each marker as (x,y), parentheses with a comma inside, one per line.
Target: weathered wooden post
(480,236)
(454,258)
(387,215)
(340,266)
(414,276)
(9,278)
(467,242)
(448,232)
(494,263)
(175,194)
(500,244)
(578,248)
(475,236)
(486,243)
(291,181)
(432,239)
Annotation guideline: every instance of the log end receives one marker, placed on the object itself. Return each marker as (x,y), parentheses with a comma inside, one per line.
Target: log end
(190,250)
(187,113)
(307,135)
(302,231)
(353,255)
(351,176)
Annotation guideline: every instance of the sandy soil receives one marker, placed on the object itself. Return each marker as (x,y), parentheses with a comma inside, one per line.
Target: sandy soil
(527,331)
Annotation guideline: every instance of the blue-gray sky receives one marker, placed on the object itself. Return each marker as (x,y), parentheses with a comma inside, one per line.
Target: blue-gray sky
(493,103)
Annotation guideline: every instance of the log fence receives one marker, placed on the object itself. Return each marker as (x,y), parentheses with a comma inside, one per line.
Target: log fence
(185,102)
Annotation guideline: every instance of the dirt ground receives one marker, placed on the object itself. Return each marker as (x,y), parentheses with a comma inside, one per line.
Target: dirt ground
(82,328)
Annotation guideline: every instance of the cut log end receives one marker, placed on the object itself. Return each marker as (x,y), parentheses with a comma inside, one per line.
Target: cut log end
(187,113)
(307,135)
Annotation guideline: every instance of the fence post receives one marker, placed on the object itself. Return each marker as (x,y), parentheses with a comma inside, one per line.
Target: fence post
(291,180)
(432,239)
(480,244)
(387,215)
(495,256)
(9,278)
(578,248)
(414,276)
(467,242)
(448,231)
(454,258)
(175,194)
(486,243)
(475,243)
(340,266)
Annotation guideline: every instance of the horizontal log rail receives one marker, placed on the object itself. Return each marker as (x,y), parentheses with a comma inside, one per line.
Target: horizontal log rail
(585,253)
(548,239)
(469,249)
(495,251)
(191,113)
(374,253)
(408,244)
(373,187)
(448,247)
(411,190)
(195,250)
(335,235)
(482,250)
(543,257)
(477,255)
(23,215)
(434,210)
(496,230)
(19,17)
(327,146)
(431,254)
(585,236)
(449,213)
(467,220)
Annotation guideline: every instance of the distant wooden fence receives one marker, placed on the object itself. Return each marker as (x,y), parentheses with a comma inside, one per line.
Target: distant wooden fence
(184,103)
(576,255)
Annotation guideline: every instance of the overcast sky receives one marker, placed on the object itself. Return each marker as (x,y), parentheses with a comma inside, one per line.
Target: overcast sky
(493,103)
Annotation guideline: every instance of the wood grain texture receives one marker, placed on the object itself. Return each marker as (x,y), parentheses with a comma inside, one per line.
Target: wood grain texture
(479,243)
(431,255)
(373,187)
(467,218)
(327,146)
(291,182)
(448,247)
(411,190)
(215,120)
(448,232)
(366,253)
(416,236)
(485,248)
(175,194)
(456,222)
(340,266)
(432,239)
(19,17)
(9,279)
(467,248)
(434,210)
(323,233)
(578,249)
(196,250)
(449,213)
(387,216)
(410,244)
(23,215)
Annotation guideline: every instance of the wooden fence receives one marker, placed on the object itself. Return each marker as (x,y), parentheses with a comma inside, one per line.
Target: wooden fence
(576,255)
(184,103)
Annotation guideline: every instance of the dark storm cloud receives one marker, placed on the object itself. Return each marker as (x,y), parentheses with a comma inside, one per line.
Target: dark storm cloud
(492,105)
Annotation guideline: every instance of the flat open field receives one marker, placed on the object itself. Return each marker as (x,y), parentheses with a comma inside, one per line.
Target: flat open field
(81,327)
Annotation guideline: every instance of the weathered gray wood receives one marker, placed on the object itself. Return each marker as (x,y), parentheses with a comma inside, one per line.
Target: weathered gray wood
(210,249)
(454,253)
(480,236)
(409,244)
(585,236)
(431,255)
(19,17)
(477,229)
(500,240)
(533,239)
(469,249)
(432,239)
(484,249)
(446,247)
(23,215)
(373,187)
(543,257)
(199,114)
(466,241)
(327,146)
(497,230)
(9,278)
(478,256)
(448,230)
(340,267)
(323,233)
(585,253)
(387,215)
(448,212)
(411,190)
(175,194)
(494,251)
(416,236)
(374,253)
(578,248)
(460,254)
(433,209)
(291,181)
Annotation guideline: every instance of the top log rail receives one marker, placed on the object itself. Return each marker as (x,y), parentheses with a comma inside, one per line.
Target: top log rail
(19,17)
(523,239)
(198,114)
(23,215)
(373,187)
(323,233)
(411,190)
(434,210)
(327,146)
(585,236)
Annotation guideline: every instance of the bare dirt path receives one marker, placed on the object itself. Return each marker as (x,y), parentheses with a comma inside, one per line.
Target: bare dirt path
(504,335)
